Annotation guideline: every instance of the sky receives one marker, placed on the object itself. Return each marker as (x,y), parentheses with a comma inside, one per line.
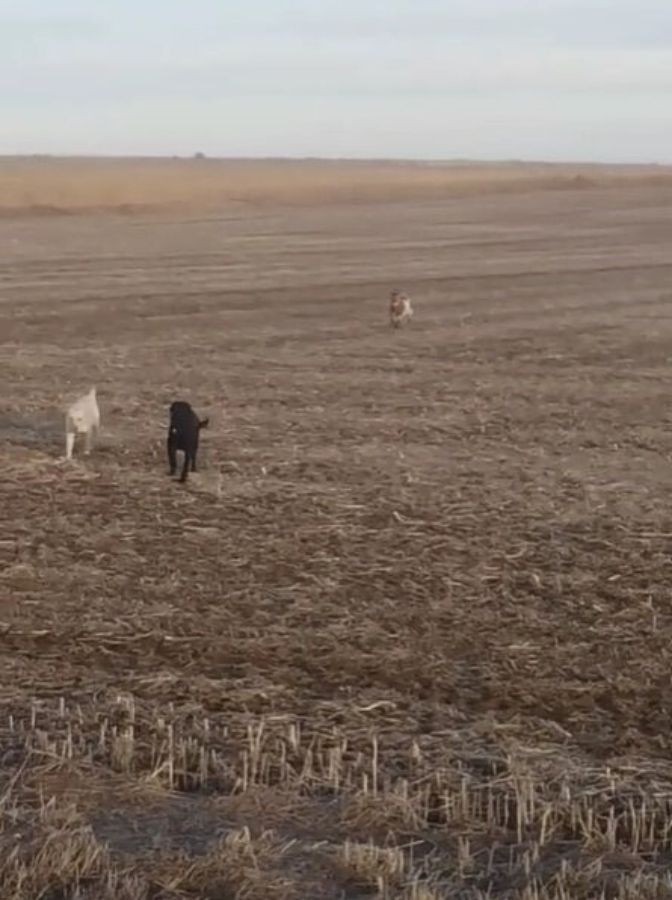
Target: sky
(428,79)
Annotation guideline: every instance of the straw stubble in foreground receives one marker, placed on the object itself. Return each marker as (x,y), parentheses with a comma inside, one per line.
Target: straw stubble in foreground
(408,631)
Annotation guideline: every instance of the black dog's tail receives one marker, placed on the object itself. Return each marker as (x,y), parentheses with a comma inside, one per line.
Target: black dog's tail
(204,423)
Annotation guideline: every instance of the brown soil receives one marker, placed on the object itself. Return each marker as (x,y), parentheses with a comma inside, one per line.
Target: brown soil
(407,632)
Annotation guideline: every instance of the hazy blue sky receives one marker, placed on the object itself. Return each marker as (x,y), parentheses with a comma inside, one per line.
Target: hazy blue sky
(553,79)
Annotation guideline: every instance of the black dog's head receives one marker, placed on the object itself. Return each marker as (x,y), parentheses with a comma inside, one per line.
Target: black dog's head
(180,408)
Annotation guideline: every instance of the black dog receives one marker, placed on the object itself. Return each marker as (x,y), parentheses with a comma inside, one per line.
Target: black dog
(183,432)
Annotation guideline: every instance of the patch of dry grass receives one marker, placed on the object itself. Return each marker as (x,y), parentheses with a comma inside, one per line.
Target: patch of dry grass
(52,185)
(484,817)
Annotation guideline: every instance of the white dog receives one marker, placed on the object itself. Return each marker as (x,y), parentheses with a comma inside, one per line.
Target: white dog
(83,417)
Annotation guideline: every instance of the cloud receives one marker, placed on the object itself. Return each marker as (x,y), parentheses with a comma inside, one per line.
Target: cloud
(25,38)
(336,67)
(427,77)
(64,27)
(571,22)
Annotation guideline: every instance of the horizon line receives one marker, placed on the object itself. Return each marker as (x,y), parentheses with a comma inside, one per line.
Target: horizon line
(202,157)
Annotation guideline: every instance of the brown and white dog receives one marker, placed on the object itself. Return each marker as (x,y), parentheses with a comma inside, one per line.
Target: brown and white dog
(401,309)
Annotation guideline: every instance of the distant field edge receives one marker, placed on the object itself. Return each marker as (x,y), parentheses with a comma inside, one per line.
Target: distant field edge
(52,186)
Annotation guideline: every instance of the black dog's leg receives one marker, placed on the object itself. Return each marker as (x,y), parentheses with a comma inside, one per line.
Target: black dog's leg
(185,467)
(193,458)
(172,455)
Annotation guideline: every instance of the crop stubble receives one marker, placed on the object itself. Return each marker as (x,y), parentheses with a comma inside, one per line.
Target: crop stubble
(408,630)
